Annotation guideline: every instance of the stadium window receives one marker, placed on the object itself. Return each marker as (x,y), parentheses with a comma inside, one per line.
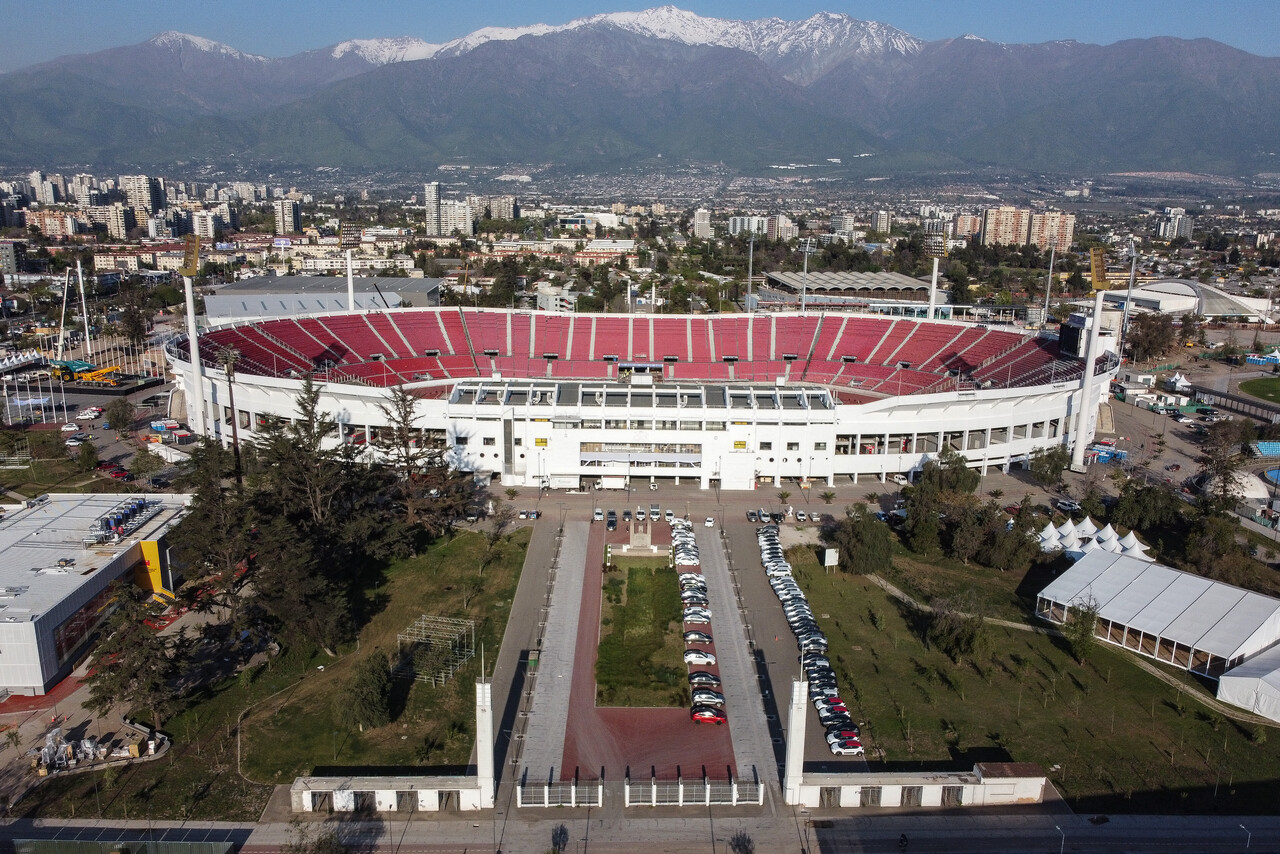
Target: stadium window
(460,441)
(489,441)
(819,446)
(517,441)
(793,446)
(766,446)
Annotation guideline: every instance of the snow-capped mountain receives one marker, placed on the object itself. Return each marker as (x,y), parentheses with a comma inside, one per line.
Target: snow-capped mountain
(802,49)
(176,41)
(385,51)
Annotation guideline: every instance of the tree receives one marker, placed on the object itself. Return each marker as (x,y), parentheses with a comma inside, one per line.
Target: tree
(120,414)
(1047,465)
(1150,336)
(366,702)
(863,541)
(949,472)
(146,462)
(1081,622)
(784,496)
(87,457)
(828,496)
(1220,466)
(133,663)
(957,630)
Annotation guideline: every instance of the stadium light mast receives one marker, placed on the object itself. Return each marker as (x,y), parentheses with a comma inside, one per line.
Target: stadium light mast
(751,255)
(1048,284)
(804,279)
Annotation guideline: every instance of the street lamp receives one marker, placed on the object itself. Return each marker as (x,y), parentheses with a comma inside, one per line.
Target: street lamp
(1248,841)
(1063,844)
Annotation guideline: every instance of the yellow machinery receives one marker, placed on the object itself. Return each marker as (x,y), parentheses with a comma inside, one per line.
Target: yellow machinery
(84,372)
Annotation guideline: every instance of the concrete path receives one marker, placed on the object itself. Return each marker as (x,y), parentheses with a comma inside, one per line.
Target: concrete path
(549,713)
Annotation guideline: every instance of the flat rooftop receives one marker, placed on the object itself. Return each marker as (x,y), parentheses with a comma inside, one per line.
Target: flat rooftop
(47,551)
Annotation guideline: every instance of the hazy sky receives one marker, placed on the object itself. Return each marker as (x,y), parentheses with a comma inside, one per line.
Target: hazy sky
(35,30)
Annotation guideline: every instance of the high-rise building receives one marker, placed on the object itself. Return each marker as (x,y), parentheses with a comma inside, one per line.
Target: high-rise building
(431,205)
(1052,230)
(780,227)
(205,224)
(456,216)
(965,226)
(844,222)
(1175,223)
(702,224)
(143,192)
(881,221)
(11,254)
(748,224)
(1006,225)
(288,216)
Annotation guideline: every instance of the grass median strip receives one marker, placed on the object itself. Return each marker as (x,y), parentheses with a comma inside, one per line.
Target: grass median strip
(640,662)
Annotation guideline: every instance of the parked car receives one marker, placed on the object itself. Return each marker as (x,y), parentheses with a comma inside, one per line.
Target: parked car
(70,428)
(707,715)
(848,748)
(1067,506)
(695,636)
(699,657)
(702,677)
(707,697)
(709,523)
(598,516)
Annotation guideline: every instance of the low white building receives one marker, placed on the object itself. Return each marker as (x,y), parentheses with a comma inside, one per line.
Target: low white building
(59,556)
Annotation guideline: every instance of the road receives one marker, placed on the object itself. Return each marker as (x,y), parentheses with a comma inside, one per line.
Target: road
(712,830)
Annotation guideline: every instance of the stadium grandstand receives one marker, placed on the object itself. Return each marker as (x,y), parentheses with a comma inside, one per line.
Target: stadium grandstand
(735,401)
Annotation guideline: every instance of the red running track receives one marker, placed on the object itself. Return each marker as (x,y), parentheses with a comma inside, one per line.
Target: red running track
(645,740)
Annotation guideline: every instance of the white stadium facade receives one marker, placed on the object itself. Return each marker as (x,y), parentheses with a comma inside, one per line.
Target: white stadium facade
(736,401)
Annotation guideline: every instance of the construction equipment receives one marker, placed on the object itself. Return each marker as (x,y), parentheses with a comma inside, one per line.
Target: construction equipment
(79,370)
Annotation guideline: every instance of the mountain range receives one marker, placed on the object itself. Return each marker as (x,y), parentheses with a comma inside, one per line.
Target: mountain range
(629,88)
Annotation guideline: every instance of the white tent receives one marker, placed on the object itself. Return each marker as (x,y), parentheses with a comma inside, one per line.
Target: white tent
(1067,527)
(1048,531)
(1129,540)
(1254,685)
(1086,528)
(1070,542)
(1107,533)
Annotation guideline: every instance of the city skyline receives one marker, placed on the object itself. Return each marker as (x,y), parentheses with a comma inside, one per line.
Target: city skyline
(287,28)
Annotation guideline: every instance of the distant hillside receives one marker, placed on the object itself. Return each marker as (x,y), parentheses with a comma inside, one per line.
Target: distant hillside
(619,89)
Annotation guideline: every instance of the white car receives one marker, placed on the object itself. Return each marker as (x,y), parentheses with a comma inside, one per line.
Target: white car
(710,523)
(70,428)
(697,617)
(87,415)
(697,656)
(74,443)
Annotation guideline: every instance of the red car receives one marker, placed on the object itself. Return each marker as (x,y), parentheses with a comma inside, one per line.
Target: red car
(120,474)
(707,715)
(107,466)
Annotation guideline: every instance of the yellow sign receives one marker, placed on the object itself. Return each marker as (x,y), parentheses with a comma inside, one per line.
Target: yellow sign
(540,443)
(739,446)
(191,257)
(1098,267)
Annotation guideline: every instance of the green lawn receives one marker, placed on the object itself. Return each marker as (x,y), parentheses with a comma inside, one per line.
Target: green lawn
(1267,388)
(1111,737)
(640,661)
(290,728)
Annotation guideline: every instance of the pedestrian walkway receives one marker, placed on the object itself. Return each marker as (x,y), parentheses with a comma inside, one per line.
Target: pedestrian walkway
(549,714)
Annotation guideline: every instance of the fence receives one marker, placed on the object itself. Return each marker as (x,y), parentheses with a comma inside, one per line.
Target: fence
(698,791)
(560,794)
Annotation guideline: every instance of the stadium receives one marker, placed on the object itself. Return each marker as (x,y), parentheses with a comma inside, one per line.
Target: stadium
(734,401)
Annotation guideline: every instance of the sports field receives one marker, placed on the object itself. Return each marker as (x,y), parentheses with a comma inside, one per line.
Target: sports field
(1267,388)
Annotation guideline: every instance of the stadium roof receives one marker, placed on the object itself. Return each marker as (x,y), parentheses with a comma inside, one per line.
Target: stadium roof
(1220,619)
(849,281)
(1211,302)
(236,306)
